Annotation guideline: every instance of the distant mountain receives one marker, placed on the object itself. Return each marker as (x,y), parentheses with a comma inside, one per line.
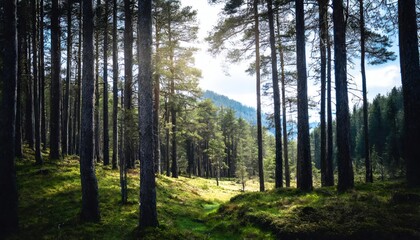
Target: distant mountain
(249,114)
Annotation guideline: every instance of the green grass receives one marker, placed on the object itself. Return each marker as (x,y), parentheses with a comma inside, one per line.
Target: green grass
(195,208)
(50,201)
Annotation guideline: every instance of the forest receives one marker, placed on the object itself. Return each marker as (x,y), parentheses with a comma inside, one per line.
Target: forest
(105,132)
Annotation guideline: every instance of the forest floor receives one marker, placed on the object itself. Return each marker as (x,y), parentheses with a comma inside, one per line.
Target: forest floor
(195,208)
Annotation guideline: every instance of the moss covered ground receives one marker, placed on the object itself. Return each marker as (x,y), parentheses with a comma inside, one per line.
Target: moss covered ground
(195,208)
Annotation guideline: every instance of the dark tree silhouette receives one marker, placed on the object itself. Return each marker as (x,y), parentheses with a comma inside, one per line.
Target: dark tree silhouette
(8,187)
(105,78)
(90,202)
(410,74)
(55,83)
(345,168)
(258,87)
(304,177)
(115,86)
(276,92)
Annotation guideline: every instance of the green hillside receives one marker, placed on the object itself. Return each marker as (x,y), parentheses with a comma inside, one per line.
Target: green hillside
(195,208)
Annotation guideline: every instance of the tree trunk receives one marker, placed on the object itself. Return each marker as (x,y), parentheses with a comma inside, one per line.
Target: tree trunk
(8,187)
(345,168)
(276,92)
(105,100)
(97,92)
(38,157)
(128,85)
(304,177)
(79,85)
(66,104)
(114,87)
(410,74)
(329,179)
(368,165)
(42,77)
(323,29)
(55,82)
(90,202)
(258,87)
(167,137)
(148,212)
(156,103)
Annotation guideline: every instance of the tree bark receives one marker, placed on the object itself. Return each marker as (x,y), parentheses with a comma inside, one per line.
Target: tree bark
(323,30)
(329,179)
(368,165)
(276,92)
(128,72)
(8,186)
(105,100)
(55,83)
(36,90)
(304,178)
(410,74)
(97,135)
(148,212)
(345,168)
(114,87)
(156,103)
(42,77)
(258,87)
(66,104)
(90,202)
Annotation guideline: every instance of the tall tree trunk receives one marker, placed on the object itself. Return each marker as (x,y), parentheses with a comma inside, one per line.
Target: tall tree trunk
(276,92)
(258,87)
(115,86)
(66,104)
(8,186)
(368,165)
(38,157)
(79,83)
(174,166)
(97,135)
(42,77)
(105,100)
(323,30)
(20,78)
(55,82)
(283,104)
(304,178)
(156,103)
(410,74)
(329,179)
(90,202)
(128,85)
(148,212)
(168,172)
(29,111)
(345,168)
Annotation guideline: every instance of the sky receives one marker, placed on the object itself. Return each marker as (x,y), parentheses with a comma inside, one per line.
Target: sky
(233,82)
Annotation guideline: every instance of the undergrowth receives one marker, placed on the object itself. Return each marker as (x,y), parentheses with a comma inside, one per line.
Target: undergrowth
(195,208)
